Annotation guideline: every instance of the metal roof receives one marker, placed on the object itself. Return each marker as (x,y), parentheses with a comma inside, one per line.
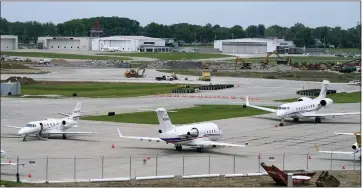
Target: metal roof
(129,38)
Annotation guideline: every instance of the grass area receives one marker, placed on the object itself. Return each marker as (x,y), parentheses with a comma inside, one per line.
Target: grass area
(184,115)
(354,97)
(169,55)
(300,59)
(345,50)
(62,56)
(13,65)
(12,184)
(96,89)
(297,75)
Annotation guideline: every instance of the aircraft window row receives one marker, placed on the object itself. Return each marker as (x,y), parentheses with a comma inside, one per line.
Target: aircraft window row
(283,108)
(306,107)
(30,125)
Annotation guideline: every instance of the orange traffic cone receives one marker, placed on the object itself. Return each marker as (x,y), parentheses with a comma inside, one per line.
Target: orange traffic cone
(276,126)
(113,145)
(9,161)
(29,175)
(259,156)
(343,167)
(148,157)
(309,157)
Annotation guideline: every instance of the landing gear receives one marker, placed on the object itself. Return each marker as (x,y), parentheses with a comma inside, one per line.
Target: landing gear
(296,119)
(178,148)
(213,146)
(24,139)
(200,150)
(318,119)
(282,122)
(64,136)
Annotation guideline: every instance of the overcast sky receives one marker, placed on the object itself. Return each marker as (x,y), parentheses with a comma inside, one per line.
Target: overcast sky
(312,14)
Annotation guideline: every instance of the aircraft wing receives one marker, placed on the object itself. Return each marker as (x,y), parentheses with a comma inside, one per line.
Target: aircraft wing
(69,132)
(336,152)
(211,143)
(15,127)
(11,164)
(352,134)
(139,138)
(313,114)
(258,107)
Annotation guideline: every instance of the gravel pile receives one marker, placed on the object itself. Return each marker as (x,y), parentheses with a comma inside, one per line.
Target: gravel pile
(108,64)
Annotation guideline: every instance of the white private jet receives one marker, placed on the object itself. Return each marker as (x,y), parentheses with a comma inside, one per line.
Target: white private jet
(111,49)
(198,135)
(356,146)
(51,126)
(3,154)
(304,107)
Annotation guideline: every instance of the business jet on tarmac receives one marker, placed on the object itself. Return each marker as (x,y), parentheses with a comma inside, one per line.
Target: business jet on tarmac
(51,126)
(3,154)
(111,49)
(198,135)
(305,107)
(356,146)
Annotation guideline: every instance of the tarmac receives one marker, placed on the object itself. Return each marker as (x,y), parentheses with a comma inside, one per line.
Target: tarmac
(81,157)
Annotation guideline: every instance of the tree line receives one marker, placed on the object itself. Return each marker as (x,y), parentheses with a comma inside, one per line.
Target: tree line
(299,33)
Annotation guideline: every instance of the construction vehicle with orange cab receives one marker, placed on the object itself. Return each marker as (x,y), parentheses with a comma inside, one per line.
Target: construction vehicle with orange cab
(135,74)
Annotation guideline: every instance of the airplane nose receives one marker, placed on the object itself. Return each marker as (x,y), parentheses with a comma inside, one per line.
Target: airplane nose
(280,113)
(21,132)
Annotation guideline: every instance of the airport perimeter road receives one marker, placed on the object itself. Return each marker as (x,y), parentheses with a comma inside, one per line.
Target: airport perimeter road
(291,143)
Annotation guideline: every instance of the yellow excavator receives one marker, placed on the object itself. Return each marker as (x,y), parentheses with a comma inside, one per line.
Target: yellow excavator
(136,74)
(244,64)
(280,60)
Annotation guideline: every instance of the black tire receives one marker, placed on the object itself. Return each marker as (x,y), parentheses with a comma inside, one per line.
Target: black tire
(111,113)
(244,106)
(75,94)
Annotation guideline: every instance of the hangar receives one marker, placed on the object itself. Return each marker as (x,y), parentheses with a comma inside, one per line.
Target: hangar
(9,42)
(64,43)
(131,44)
(251,45)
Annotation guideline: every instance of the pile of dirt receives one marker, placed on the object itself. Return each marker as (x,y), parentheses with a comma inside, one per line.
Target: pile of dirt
(21,80)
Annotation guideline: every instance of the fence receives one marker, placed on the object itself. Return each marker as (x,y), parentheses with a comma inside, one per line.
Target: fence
(80,168)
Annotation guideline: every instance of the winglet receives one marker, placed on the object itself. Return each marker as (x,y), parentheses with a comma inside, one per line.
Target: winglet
(247,100)
(316,147)
(119,133)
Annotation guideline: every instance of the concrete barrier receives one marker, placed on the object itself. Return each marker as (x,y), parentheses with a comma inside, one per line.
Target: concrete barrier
(201,176)
(155,177)
(109,179)
(255,174)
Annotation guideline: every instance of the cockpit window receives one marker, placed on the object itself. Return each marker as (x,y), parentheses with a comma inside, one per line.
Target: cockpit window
(283,108)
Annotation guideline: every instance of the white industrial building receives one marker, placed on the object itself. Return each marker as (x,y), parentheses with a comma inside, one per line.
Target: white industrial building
(130,44)
(9,42)
(251,45)
(64,43)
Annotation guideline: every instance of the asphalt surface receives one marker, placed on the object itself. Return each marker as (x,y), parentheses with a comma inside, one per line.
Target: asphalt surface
(289,145)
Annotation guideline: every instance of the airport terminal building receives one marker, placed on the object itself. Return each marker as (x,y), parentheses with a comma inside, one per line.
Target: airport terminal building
(123,43)
(251,45)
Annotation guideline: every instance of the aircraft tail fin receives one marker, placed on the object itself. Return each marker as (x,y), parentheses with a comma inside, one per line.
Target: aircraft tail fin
(164,119)
(76,111)
(323,91)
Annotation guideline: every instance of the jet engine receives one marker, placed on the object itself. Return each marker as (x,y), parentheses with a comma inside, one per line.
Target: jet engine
(303,99)
(326,102)
(354,146)
(63,122)
(193,132)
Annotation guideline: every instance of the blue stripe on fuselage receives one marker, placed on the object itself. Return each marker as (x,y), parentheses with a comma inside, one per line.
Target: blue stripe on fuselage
(179,139)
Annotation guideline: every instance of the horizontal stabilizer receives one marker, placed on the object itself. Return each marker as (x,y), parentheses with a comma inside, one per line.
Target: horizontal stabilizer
(64,114)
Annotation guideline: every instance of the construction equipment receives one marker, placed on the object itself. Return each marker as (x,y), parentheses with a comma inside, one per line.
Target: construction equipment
(244,65)
(279,60)
(206,76)
(136,74)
